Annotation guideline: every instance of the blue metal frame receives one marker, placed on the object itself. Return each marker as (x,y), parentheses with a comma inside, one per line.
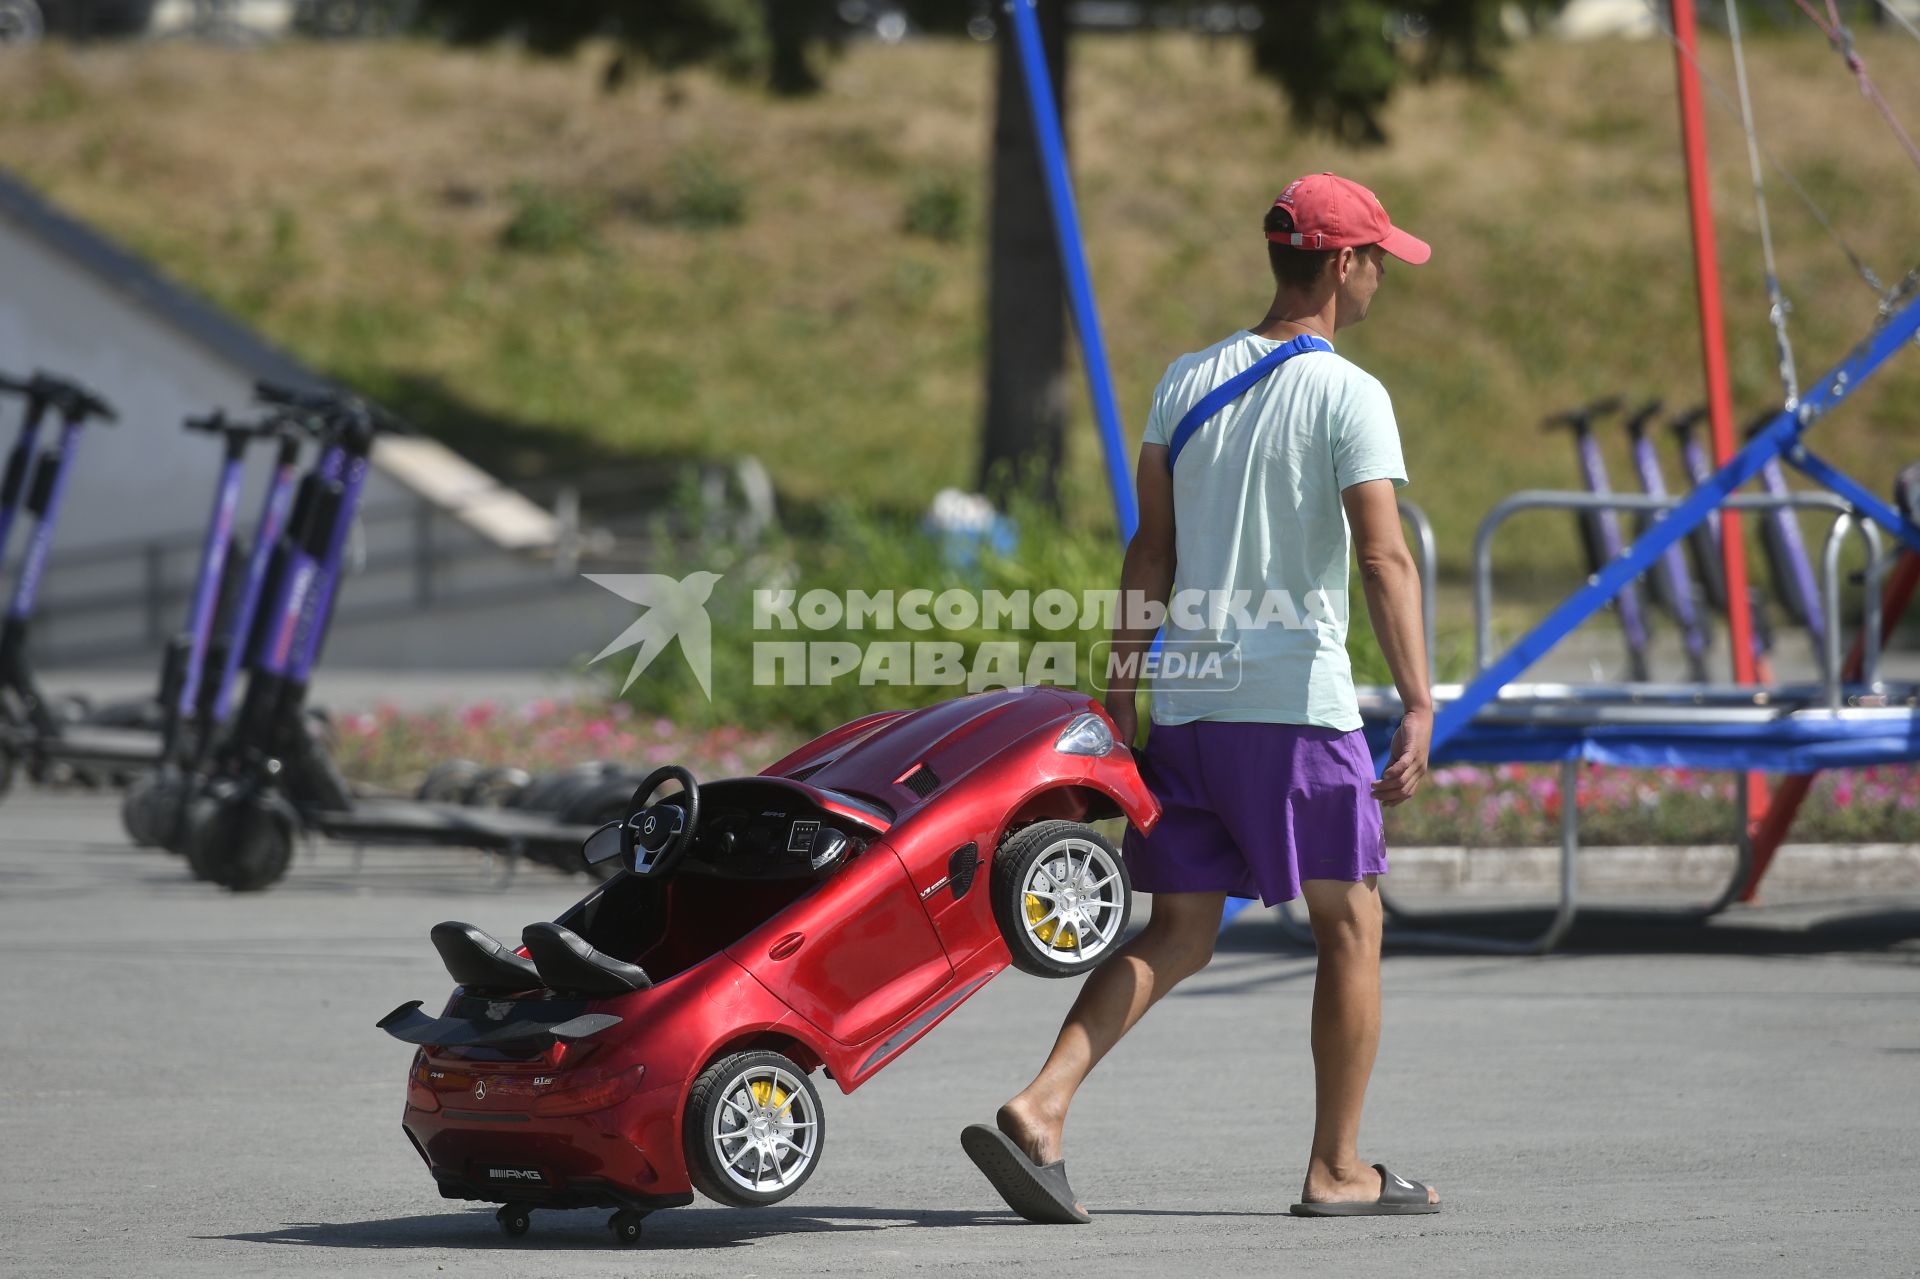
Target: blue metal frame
(1073,256)
(1781,435)
(1847,487)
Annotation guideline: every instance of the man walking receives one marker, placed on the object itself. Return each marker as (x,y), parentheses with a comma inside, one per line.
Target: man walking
(1266,457)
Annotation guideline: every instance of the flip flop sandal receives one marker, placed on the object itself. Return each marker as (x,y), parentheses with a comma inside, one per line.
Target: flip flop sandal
(1038,1192)
(1398,1198)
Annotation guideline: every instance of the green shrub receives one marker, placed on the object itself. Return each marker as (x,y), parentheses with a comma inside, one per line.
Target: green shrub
(546,221)
(937,208)
(705,195)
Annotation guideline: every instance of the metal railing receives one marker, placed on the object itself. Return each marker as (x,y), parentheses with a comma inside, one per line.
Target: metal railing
(421,546)
(1845,520)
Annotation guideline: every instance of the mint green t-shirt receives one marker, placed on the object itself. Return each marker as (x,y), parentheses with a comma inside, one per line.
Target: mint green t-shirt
(1261,537)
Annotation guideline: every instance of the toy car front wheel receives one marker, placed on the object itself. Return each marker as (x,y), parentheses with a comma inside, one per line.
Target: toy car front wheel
(753,1129)
(1061,896)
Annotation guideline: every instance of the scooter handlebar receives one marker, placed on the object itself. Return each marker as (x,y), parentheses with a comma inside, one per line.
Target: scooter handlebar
(333,406)
(1683,424)
(1582,418)
(72,399)
(1638,419)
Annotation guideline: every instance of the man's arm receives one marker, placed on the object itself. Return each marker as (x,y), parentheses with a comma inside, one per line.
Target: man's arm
(1145,576)
(1393,603)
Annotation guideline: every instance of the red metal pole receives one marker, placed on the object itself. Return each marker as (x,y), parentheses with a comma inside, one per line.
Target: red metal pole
(1771,831)
(1713,350)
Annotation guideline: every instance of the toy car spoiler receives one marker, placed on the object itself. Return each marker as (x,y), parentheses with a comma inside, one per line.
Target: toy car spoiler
(409,1025)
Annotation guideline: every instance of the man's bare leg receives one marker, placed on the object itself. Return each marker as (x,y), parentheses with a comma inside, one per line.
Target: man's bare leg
(1346,921)
(1176,943)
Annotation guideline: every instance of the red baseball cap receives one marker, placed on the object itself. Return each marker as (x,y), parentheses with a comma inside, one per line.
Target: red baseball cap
(1331,212)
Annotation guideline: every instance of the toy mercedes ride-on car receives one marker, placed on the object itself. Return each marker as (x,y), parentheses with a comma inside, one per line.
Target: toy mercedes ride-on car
(658,1038)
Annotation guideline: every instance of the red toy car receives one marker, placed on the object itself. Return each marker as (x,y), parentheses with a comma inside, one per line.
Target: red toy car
(823,915)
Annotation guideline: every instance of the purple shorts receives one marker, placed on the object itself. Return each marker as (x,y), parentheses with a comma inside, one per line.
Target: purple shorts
(1252,809)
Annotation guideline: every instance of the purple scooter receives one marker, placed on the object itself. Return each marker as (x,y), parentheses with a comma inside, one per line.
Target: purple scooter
(1794,584)
(204,663)
(1672,585)
(1600,530)
(1703,543)
(13,480)
(269,776)
(21,704)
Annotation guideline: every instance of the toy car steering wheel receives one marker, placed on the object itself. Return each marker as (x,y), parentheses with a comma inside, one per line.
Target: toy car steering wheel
(662,833)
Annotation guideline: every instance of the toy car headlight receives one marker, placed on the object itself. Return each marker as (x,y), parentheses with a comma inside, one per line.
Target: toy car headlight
(1088,734)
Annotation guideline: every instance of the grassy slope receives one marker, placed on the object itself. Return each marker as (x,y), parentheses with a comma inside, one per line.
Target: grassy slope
(351,201)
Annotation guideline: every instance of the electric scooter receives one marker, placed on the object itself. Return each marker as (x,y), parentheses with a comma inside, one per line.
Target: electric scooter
(1703,545)
(1600,530)
(1794,584)
(271,776)
(204,664)
(21,702)
(1672,585)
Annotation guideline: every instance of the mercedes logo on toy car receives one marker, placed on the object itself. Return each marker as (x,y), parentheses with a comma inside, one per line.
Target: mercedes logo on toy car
(784,913)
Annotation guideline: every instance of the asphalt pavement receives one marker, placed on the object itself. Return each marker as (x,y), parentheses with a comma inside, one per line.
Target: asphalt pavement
(191,1085)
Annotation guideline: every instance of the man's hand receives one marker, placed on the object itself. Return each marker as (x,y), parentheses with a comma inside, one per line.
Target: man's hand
(1124,710)
(1406,760)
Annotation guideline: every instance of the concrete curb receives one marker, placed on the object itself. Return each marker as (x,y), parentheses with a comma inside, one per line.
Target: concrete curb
(1874,867)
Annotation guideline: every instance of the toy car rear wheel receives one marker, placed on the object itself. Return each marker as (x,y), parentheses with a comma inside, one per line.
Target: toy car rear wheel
(625,1225)
(1061,896)
(753,1129)
(515,1220)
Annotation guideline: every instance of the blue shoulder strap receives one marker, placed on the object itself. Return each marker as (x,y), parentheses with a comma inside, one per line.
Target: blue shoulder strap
(1231,389)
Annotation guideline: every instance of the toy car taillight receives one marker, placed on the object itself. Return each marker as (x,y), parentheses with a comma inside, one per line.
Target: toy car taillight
(1087,734)
(578,1092)
(419,1092)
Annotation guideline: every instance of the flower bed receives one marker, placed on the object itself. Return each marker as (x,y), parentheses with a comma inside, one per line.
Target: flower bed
(391,748)
(1515,805)
(1509,805)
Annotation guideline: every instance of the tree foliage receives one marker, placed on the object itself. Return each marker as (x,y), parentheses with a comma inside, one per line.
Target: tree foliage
(1337,64)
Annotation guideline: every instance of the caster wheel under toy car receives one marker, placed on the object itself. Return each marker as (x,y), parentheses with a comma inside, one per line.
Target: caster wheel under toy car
(625,1225)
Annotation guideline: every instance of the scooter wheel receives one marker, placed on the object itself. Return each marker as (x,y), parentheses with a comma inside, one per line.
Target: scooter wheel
(496,787)
(243,842)
(625,1225)
(136,812)
(195,838)
(444,782)
(515,1220)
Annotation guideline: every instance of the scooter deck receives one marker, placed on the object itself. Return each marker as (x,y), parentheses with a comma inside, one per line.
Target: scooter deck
(404,821)
(90,744)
